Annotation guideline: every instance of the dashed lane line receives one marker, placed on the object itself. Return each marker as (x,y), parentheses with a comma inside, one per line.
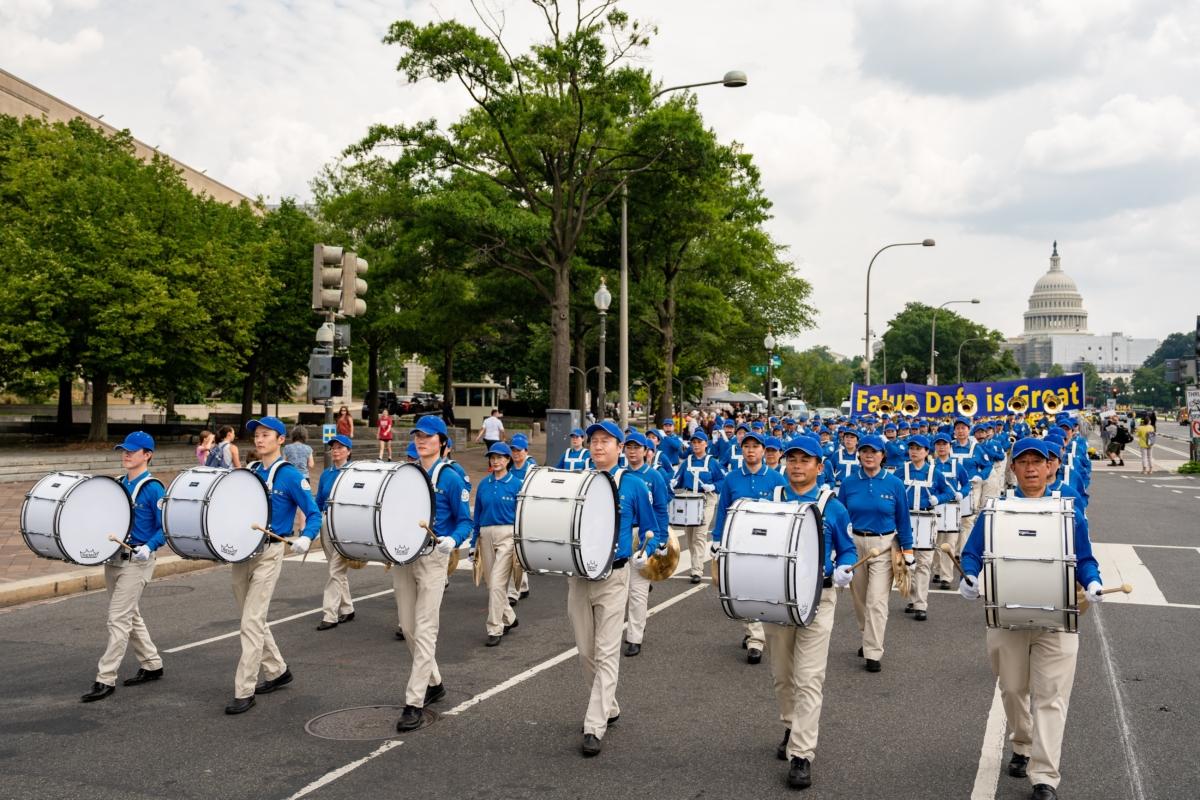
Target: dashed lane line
(1133,767)
(991,754)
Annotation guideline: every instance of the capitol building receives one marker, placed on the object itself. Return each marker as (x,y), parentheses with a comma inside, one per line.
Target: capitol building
(1056,331)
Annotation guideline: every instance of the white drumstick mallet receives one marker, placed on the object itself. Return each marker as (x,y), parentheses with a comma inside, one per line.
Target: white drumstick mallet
(121,542)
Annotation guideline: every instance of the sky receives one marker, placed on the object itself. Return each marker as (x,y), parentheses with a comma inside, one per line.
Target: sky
(993,128)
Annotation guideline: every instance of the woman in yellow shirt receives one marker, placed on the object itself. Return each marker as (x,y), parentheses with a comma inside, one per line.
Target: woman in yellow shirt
(1145,439)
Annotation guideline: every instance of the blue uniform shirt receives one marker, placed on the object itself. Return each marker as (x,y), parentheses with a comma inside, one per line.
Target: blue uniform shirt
(325,485)
(877,504)
(733,457)
(451,504)
(919,497)
(672,448)
(290,492)
(495,503)
(954,474)
(660,501)
(147,516)
(636,510)
(836,522)
(524,470)
(694,472)
(1087,569)
(741,483)
(575,460)
(843,464)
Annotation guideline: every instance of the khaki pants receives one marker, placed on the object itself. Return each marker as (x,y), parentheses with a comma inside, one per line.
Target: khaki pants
(798,657)
(1036,670)
(943,564)
(871,587)
(125,581)
(514,591)
(336,602)
(253,584)
(697,536)
(419,587)
(921,574)
(597,610)
(638,604)
(495,551)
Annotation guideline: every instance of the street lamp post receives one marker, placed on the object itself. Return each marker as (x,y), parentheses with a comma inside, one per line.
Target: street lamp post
(933,336)
(602,299)
(683,382)
(769,343)
(733,79)
(867,332)
(960,347)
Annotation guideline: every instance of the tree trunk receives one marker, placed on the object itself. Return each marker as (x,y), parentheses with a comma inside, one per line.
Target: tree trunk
(560,326)
(373,384)
(170,406)
(580,378)
(263,384)
(666,321)
(99,429)
(65,413)
(448,386)
(248,392)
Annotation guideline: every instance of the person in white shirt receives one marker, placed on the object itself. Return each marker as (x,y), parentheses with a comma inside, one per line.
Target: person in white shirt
(492,430)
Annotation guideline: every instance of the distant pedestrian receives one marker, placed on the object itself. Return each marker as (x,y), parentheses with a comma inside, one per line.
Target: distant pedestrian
(1145,440)
(1116,445)
(345,422)
(297,452)
(1152,416)
(208,440)
(385,434)
(224,454)
(492,430)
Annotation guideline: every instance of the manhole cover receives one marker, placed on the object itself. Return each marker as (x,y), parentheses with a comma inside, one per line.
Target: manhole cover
(167,590)
(363,723)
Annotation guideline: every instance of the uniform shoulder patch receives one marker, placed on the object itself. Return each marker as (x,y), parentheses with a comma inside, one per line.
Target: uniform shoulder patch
(305,484)
(466,495)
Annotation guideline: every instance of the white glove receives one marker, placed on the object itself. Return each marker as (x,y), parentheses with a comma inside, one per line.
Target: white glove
(910,560)
(471,555)
(968,587)
(300,545)
(714,548)
(661,552)
(708,487)
(639,559)
(446,544)
(957,496)
(142,553)
(934,503)
(1093,592)
(842,576)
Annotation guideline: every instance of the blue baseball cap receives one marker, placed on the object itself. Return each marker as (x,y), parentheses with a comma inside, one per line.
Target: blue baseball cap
(1053,448)
(773,442)
(891,426)
(577,432)
(607,426)
(273,423)
(962,421)
(138,440)
(983,426)
(920,440)
(1029,445)
(871,441)
(637,437)
(499,449)
(743,427)
(668,421)
(756,425)
(342,439)
(941,436)
(449,441)
(520,442)
(804,444)
(756,436)
(729,423)
(846,430)
(699,434)
(431,426)
(656,433)
(789,421)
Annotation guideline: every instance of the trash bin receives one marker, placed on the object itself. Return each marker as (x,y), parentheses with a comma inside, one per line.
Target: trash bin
(559,422)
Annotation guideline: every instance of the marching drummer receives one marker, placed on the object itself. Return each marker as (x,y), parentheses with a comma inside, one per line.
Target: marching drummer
(1035,668)
(254,579)
(575,457)
(845,458)
(956,478)
(700,472)
(128,572)
(636,448)
(879,514)
(925,489)
(420,584)
(336,605)
(755,480)
(597,608)
(798,655)
(492,538)
(521,464)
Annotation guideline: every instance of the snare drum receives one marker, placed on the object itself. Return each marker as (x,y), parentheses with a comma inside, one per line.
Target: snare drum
(567,523)
(1029,564)
(208,513)
(924,526)
(375,510)
(966,506)
(687,509)
(948,517)
(68,516)
(770,565)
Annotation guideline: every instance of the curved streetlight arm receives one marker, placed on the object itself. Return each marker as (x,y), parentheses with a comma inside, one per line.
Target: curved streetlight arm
(960,347)
(867,332)
(933,332)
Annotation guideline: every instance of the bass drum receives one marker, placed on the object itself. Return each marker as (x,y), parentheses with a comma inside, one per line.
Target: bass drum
(68,516)
(567,523)
(375,510)
(769,566)
(209,513)
(1029,564)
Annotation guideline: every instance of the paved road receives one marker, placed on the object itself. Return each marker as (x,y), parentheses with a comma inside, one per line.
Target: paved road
(696,721)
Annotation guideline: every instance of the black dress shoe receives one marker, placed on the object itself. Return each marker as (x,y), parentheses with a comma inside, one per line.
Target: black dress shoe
(435,693)
(827,582)
(325,625)
(515,623)
(800,773)
(935,579)
(271,684)
(346,617)
(632,649)
(144,676)
(696,579)
(908,609)
(1017,767)
(99,692)
(591,745)
(612,721)
(410,719)
(860,655)
(512,601)
(921,616)
(1044,791)
(781,751)
(239,705)
(753,655)
(944,585)
(491,641)
(873,665)
(400,634)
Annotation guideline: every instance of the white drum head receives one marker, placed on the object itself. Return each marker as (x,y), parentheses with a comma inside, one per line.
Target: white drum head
(808,566)
(94,509)
(407,501)
(238,501)
(598,526)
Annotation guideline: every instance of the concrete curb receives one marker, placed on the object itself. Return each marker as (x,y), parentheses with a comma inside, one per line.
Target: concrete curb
(87,579)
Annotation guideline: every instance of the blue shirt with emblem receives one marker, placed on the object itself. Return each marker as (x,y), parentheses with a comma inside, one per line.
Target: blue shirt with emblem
(876,504)
(495,502)
(693,473)
(147,516)
(451,503)
(290,491)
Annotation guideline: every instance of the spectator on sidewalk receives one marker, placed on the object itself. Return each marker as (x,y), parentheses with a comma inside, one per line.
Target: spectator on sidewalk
(208,441)
(224,453)
(1145,440)
(492,430)
(385,434)
(1118,438)
(345,423)
(297,452)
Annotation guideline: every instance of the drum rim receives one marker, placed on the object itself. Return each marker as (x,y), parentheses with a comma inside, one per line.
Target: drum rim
(58,508)
(1070,607)
(389,474)
(208,492)
(577,545)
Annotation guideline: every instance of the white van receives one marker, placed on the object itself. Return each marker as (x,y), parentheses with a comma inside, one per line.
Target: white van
(796,408)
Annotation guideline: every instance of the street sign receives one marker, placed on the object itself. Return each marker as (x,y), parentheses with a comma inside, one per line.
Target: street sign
(327,433)
(776,361)
(1111,404)
(758,369)
(1196,429)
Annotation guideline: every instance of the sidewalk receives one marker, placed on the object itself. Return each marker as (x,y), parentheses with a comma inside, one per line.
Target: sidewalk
(24,577)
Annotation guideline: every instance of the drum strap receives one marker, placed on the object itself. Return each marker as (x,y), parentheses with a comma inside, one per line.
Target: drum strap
(918,485)
(141,485)
(254,465)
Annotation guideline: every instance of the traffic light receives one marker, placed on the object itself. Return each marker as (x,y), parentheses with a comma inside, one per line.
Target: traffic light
(324,375)
(1198,336)
(353,287)
(327,278)
(1172,370)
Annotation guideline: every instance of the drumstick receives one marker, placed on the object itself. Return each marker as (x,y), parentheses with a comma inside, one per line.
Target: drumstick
(1124,587)
(272,534)
(112,538)
(872,553)
(948,550)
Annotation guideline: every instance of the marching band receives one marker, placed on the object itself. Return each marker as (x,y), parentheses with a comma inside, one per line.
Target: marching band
(883,500)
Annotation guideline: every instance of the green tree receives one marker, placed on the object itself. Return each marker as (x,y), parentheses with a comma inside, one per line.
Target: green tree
(1177,345)
(907,339)
(1032,370)
(1150,387)
(1055,371)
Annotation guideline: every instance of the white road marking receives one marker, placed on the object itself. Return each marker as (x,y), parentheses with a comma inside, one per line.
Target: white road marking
(1132,764)
(333,775)
(1121,561)
(210,640)
(991,754)
(1177,491)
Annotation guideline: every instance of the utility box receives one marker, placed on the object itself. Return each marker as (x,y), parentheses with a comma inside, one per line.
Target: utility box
(559,423)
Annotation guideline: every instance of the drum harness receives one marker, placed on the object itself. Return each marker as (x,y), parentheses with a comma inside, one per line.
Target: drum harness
(695,471)
(917,484)
(271,488)
(123,554)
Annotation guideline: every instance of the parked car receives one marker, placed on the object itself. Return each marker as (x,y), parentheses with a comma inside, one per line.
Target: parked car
(425,401)
(387,400)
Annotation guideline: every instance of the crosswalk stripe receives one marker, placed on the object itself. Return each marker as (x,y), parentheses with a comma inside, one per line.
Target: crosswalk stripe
(1119,563)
